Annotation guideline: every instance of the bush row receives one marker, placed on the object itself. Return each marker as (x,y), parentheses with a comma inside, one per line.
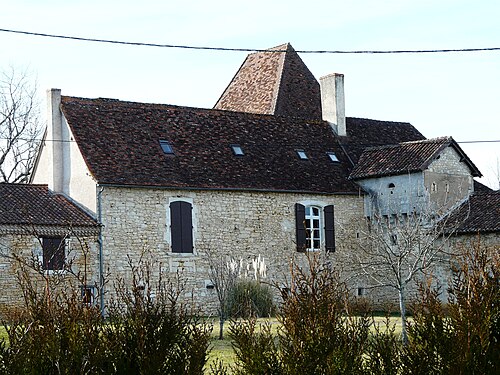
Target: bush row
(321,330)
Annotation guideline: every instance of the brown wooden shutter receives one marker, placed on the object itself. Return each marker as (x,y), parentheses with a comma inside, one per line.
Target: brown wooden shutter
(300,218)
(53,253)
(329,228)
(181,227)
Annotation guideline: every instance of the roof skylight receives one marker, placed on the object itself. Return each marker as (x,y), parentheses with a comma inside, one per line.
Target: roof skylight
(302,154)
(333,157)
(166,147)
(237,150)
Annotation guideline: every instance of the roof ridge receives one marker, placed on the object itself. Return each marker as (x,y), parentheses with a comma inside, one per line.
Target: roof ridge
(430,140)
(281,69)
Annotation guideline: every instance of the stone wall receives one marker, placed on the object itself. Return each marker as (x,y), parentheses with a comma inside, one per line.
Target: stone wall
(448,180)
(27,249)
(241,225)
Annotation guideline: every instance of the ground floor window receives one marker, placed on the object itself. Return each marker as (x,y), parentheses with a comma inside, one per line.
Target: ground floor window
(54,253)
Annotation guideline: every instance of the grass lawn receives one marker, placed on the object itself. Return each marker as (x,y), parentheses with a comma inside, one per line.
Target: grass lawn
(222,349)
(3,334)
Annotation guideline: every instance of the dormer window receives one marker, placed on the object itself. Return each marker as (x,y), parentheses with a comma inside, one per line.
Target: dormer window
(302,154)
(237,150)
(333,157)
(166,147)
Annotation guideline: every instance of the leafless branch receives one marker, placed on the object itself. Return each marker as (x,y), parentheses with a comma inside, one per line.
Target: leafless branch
(20,125)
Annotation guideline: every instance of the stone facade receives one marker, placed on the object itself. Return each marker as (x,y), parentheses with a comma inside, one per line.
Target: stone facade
(448,180)
(236,224)
(21,249)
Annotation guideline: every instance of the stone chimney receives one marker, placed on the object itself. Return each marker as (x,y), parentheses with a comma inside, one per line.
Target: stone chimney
(333,102)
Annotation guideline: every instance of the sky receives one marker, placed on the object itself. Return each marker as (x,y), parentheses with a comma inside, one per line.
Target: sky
(448,94)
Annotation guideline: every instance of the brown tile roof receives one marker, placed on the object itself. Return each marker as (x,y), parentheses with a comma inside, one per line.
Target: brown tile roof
(22,204)
(363,133)
(120,144)
(480,214)
(480,188)
(405,157)
(273,82)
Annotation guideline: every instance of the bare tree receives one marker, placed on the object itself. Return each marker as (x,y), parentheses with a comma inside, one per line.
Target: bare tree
(223,272)
(396,249)
(20,126)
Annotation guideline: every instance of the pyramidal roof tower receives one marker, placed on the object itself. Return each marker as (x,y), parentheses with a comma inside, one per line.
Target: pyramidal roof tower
(274,82)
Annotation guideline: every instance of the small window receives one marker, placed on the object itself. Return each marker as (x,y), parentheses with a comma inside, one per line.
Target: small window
(88,295)
(237,150)
(302,154)
(54,256)
(434,187)
(391,186)
(361,292)
(166,147)
(394,239)
(333,157)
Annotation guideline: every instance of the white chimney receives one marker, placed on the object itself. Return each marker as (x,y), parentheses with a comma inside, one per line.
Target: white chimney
(54,138)
(333,102)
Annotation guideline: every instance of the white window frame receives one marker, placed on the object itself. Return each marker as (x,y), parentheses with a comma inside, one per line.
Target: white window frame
(310,218)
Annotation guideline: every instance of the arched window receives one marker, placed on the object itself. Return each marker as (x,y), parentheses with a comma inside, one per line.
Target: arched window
(181,227)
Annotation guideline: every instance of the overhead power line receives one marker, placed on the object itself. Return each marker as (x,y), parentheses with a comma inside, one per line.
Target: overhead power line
(249,49)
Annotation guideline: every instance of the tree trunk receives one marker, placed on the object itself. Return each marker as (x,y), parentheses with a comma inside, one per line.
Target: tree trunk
(221,329)
(402,309)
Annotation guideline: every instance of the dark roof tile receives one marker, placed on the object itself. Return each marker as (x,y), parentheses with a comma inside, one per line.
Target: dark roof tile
(405,157)
(363,133)
(22,204)
(479,214)
(120,144)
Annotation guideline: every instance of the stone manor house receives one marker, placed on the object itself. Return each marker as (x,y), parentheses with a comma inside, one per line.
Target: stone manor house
(275,169)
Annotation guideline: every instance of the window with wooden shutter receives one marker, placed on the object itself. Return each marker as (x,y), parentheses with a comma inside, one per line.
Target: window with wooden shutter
(329,214)
(54,255)
(300,225)
(181,227)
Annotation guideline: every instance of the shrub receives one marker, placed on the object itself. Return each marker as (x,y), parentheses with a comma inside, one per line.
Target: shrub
(144,333)
(464,337)
(316,335)
(250,298)
(154,334)
(383,348)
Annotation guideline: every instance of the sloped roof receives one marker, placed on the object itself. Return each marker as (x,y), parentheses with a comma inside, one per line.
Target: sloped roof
(119,142)
(405,157)
(275,82)
(363,133)
(479,214)
(22,204)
